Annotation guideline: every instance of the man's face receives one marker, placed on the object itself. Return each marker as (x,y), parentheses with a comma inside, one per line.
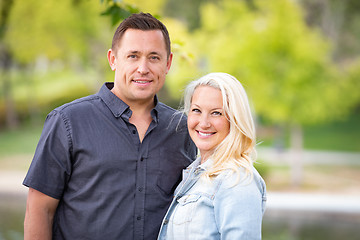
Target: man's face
(140,66)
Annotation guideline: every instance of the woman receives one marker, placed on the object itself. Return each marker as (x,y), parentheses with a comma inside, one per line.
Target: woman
(221,196)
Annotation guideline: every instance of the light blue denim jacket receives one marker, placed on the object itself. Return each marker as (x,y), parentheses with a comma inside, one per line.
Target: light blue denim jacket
(216,209)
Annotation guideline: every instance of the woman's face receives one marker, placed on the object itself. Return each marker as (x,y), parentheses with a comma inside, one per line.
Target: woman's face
(207,122)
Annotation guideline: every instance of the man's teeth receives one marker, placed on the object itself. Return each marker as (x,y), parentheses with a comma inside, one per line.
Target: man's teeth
(205,134)
(137,81)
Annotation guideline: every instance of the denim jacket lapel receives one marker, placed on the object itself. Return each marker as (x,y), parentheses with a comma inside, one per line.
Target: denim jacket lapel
(191,175)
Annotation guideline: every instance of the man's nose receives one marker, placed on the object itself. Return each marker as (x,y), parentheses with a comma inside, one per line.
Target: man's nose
(143,67)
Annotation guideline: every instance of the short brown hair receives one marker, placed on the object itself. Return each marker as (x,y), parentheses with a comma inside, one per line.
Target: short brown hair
(141,21)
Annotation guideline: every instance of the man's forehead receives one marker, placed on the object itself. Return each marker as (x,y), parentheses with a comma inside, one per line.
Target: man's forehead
(135,40)
(146,35)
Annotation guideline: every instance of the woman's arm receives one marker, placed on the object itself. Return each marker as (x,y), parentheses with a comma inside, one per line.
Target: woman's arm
(239,209)
(40,211)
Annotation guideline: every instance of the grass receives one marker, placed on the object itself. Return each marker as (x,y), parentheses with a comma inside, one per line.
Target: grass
(19,141)
(337,136)
(18,146)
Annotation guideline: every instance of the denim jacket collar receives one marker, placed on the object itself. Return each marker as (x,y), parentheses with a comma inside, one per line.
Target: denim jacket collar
(191,175)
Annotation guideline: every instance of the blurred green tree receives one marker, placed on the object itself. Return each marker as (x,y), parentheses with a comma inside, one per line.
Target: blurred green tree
(286,67)
(52,36)
(6,62)
(118,10)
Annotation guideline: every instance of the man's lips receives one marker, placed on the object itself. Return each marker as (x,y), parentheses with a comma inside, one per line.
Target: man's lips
(141,81)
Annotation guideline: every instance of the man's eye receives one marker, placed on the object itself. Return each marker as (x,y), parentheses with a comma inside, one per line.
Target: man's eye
(132,56)
(154,58)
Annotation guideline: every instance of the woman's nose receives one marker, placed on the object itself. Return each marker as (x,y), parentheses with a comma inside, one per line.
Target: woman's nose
(204,121)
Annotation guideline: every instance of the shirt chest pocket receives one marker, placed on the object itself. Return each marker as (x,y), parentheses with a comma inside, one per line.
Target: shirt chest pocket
(185,209)
(171,164)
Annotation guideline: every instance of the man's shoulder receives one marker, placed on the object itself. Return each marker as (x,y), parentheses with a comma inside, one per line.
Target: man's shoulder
(167,111)
(79,104)
(163,107)
(174,119)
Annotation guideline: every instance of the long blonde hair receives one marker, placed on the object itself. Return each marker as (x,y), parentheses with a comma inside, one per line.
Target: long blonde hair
(238,148)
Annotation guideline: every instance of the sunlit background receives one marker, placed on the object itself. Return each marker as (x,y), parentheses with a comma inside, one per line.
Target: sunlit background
(299,61)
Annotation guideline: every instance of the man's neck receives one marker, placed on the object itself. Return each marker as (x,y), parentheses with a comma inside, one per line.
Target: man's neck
(141,117)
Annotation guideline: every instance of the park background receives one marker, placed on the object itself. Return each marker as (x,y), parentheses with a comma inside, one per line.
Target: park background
(299,61)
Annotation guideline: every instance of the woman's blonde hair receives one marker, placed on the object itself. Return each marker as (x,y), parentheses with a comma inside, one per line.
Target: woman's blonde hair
(238,148)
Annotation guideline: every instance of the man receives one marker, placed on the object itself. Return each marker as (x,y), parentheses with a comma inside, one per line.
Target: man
(106,165)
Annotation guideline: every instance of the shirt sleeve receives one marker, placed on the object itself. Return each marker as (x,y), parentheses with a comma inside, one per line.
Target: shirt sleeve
(239,209)
(50,168)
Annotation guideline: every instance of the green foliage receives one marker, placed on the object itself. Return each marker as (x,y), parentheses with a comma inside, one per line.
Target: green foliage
(118,10)
(184,66)
(285,66)
(61,42)
(187,10)
(54,29)
(155,7)
(5,8)
(40,93)
(263,168)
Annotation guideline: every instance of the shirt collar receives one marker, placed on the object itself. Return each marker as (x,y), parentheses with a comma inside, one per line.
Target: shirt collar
(156,109)
(206,165)
(117,106)
(197,164)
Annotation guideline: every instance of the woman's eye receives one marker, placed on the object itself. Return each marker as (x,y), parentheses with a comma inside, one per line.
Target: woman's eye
(217,113)
(195,110)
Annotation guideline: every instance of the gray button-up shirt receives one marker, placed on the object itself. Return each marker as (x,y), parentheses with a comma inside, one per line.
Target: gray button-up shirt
(110,185)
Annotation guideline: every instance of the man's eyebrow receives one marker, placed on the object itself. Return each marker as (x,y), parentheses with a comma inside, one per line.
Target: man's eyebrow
(136,52)
(133,51)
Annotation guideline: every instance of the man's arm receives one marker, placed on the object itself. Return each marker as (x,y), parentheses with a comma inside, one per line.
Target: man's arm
(40,210)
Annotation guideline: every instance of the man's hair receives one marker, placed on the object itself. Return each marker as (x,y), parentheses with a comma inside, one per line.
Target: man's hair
(141,21)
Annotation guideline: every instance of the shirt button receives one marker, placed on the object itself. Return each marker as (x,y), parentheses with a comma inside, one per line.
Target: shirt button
(140,189)
(166,221)
(134,131)
(138,218)
(141,159)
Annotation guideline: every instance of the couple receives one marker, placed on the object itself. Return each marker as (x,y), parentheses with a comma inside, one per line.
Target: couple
(108,166)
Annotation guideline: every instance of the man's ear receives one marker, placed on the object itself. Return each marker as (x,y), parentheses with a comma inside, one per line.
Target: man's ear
(112,59)
(169,61)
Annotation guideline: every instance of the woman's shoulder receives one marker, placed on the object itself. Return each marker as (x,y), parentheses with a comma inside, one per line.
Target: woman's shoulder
(240,180)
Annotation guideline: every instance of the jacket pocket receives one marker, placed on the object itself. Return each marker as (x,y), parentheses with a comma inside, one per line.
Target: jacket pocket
(185,209)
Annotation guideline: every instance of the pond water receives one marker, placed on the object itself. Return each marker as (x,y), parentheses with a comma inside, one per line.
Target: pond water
(276,225)
(310,226)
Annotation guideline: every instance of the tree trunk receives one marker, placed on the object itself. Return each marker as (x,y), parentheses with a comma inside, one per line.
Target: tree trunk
(332,21)
(296,146)
(11,117)
(5,67)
